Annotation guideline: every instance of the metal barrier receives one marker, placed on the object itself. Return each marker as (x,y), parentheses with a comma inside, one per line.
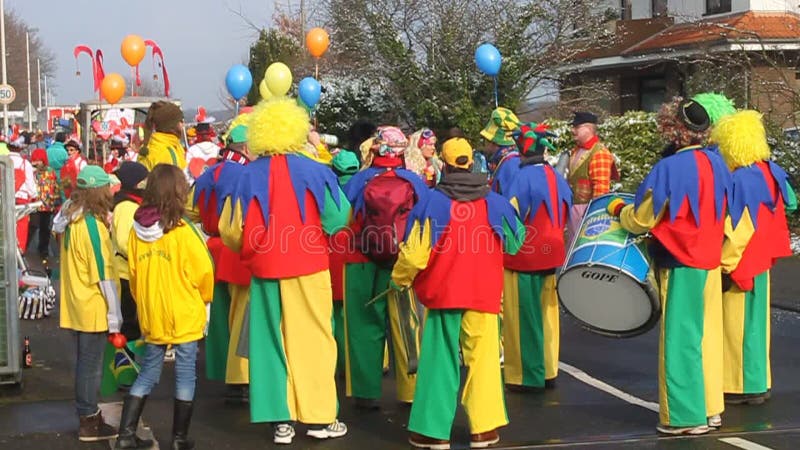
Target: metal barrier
(10,370)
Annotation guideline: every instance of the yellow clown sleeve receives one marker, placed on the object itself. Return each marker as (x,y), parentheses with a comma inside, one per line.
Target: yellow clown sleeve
(192,212)
(642,219)
(736,240)
(231,225)
(414,255)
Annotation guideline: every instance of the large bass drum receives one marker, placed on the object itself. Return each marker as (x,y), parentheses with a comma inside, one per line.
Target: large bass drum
(607,283)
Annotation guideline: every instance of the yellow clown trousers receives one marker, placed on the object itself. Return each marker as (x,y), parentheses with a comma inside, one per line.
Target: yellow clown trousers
(690,368)
(292,350)
(224,328)
(747,338)
(530,328)
(476,334)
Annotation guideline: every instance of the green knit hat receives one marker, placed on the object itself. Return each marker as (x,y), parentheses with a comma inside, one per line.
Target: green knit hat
(716,105)
(92,177)
(500,127)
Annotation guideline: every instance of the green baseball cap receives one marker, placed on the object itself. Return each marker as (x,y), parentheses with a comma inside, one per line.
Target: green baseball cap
(93,177)
(237,135)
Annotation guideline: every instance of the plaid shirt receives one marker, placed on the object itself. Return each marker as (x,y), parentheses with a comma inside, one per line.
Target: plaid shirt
(600,168)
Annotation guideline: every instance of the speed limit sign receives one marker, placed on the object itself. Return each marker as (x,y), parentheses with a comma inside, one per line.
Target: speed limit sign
(7,94)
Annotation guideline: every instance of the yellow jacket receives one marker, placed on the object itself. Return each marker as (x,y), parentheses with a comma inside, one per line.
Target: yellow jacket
(164,148)
(86,264)
(121,226)
(171,279)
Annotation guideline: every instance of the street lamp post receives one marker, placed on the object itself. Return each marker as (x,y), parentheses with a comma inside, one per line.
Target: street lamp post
(3,58)
(29,109)
(39,81)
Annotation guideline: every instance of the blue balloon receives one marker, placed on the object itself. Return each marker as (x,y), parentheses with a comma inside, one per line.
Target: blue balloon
(309,91)
(238,81)
(488,59)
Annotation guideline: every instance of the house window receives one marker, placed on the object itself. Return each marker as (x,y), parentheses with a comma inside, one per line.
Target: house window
(652,93)
(718,6)
(626,11)
(658,7)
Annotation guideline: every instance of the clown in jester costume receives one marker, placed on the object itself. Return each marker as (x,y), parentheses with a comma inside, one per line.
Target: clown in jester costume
(682,203)
(756,235)
(279,216)
(232,278)
(367,275)
(530,302)
(453,258)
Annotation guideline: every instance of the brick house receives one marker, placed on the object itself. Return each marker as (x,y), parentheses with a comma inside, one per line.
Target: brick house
(747,48)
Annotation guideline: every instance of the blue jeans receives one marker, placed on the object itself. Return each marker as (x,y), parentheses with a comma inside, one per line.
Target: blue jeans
(89,371)
(185,370)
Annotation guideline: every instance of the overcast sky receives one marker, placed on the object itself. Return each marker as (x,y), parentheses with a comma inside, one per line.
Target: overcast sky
(200,39)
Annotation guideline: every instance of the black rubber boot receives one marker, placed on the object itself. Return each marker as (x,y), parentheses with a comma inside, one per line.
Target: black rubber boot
(181,418)
(131,411)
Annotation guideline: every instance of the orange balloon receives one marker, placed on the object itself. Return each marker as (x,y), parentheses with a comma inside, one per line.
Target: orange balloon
(133,49)
(112,88)
(317,42)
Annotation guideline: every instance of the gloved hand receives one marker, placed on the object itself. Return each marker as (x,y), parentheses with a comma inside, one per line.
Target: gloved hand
(615,206)
(396,286)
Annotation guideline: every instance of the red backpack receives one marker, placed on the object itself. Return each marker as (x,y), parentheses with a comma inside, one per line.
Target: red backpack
(387,201)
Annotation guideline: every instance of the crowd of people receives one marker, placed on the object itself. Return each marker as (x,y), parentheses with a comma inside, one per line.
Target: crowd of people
(411,251)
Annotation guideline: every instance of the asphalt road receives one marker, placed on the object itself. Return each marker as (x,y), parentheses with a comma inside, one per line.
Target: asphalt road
(578,413)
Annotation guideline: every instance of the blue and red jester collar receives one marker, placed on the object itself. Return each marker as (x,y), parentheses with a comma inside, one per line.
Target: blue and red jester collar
(532,188)
(675,179)
(220,179)
(437,206)
(305,175)
(751,190)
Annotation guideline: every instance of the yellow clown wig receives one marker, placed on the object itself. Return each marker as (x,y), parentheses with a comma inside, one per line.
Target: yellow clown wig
(277,126)
(741,138)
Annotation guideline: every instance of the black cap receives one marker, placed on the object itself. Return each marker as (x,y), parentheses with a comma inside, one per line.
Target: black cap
(582,117)
(130,174)
(694,116)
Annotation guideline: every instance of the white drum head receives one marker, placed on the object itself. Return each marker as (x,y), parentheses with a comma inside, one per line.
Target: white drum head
(607,300)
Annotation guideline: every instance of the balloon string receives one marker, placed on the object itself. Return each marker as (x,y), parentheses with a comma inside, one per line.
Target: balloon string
(496,95)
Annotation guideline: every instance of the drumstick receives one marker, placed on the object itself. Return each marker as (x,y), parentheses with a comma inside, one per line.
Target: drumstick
(380,296)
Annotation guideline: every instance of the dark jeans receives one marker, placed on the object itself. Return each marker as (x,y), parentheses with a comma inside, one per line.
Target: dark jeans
(130,321)
(41,221)
(89,371)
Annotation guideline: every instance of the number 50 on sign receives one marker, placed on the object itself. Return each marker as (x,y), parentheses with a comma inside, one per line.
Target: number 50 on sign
(7,94)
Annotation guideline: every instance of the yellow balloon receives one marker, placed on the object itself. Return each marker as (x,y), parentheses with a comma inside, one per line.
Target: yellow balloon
(278,78)
(264,90)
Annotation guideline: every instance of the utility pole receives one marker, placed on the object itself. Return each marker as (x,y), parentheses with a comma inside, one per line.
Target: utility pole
(29,108)
(3,58)
(46,93)
(39,81)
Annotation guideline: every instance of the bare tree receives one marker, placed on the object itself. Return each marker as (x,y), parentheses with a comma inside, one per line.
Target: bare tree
(16,28)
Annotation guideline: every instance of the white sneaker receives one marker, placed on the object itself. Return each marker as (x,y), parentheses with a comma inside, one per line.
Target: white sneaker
(715,421)
(284,433)
(334,430)
(666,429)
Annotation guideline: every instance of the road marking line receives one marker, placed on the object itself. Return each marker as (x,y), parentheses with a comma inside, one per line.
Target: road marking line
(605,387)
(743,443)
